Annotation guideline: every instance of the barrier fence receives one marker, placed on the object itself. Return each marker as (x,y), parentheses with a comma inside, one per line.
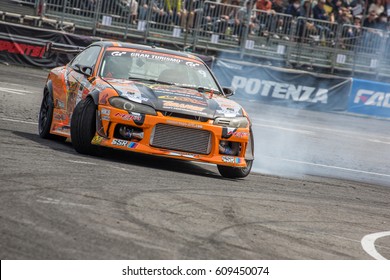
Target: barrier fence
(209,25)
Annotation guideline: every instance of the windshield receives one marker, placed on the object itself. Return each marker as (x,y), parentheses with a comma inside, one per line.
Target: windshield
(155,66)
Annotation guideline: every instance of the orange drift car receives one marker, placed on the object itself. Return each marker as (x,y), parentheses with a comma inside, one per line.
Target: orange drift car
(147,100)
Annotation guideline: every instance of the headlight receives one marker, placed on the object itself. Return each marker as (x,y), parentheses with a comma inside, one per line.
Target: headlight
(232,122)
(124,104)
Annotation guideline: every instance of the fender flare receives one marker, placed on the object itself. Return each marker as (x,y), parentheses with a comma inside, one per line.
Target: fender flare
(49,87)
(94,94)
(249,152)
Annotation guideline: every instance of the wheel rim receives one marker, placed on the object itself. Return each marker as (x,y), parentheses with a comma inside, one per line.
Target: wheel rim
(43,113)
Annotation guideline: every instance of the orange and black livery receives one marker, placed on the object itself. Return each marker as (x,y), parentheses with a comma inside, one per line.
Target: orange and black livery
(147,100)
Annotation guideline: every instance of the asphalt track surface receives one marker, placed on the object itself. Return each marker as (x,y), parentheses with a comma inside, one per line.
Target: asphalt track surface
(322,190)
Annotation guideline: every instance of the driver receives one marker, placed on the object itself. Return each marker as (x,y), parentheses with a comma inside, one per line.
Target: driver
(116,68)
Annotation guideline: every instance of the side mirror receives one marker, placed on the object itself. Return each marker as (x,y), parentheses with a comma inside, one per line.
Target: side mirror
(85,70)
(228,91)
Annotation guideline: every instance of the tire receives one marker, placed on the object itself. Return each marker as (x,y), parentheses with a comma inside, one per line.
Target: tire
(46,117)
(83,127)
(235,172)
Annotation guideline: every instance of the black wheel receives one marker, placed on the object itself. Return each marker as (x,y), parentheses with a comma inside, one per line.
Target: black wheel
(235,172)
(83,127)
(45,118)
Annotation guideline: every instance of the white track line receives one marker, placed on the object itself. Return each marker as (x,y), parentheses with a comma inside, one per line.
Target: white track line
(368,244)
(82,162)
(333,167)
(286,129)
(19,121)
(14,90)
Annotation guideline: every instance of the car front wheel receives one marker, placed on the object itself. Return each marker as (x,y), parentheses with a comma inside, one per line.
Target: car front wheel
(83,126)
(235,172)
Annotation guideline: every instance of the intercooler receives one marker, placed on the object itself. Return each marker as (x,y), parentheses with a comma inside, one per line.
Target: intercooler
(181,139)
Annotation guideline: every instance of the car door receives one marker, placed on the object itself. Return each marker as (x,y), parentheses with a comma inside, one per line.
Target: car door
(79,77)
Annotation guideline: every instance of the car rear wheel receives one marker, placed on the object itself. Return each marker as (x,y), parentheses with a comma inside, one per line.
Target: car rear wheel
(45,118)
(235,172)
(83,127)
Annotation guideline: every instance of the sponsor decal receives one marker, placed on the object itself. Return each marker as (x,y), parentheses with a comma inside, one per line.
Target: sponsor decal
(59,104)
(185,92)
(238,160)
(105,118)
(228,108)
(183,99)
(97,140)
(241,134)
(228,159)
(134,96)
(156,57)
(132,145)
(59,117)
(138,118)
(372,98)
(105,111)
(192,64)
(119,142)
(118,53)
(62,129)
(175,105)
(127,117)
(23,49)
(277,90)
(227,132)
(191,125)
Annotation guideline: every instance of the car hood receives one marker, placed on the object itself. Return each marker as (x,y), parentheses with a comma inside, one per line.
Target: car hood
(171,98)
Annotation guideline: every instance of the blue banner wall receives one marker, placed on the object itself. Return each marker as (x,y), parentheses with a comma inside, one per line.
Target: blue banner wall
(369,98)
(292,88)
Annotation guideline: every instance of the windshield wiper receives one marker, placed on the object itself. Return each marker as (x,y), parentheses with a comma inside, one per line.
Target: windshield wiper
(150,80)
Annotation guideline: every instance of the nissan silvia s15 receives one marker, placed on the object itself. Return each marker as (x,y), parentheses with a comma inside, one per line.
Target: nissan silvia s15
(147,100)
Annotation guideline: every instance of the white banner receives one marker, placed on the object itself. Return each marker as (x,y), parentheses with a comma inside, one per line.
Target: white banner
(194,269)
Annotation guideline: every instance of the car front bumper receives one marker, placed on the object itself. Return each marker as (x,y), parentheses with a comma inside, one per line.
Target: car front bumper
(170,137)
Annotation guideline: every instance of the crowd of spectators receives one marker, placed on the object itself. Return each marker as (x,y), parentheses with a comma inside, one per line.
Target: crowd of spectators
(257,17)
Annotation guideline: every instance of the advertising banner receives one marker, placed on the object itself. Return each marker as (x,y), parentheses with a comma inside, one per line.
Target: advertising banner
(292,88)
(370,98)
(26,45)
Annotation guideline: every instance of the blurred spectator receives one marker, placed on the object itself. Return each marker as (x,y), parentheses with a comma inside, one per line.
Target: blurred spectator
(278,23)
(330,10)
(263,16)
(370,21)
(243,19)
(174,9)
(320,14)
(294,8)
(319,11)
(263,5)
(277,6)
(387,8)
(351,34)
(132,5)
(382,22)
(344,17)
(377,7)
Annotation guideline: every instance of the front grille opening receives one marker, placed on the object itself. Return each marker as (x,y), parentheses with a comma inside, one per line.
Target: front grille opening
(182,139)
(229,148)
